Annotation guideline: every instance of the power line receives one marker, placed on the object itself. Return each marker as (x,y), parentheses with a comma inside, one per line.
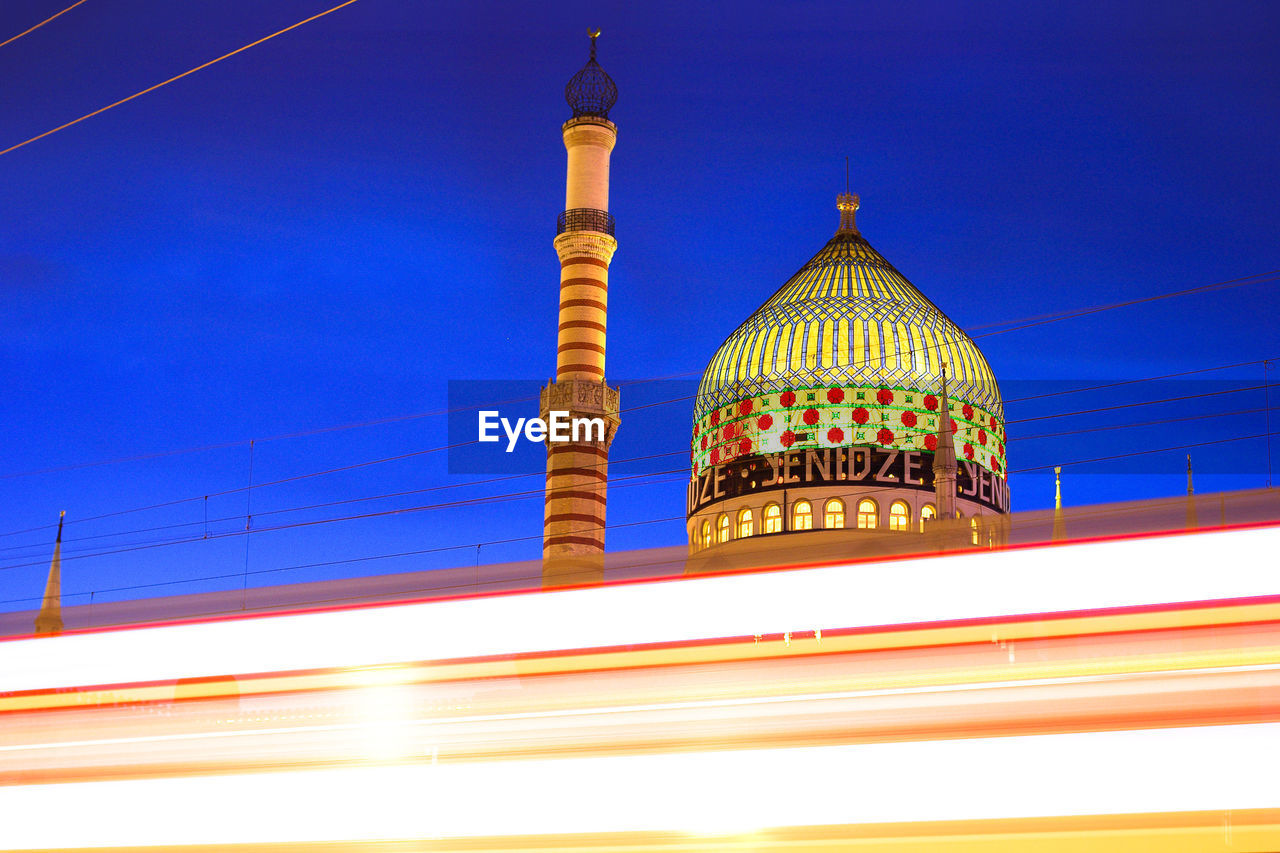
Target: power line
(175,78)
(41,24)
(483,482)
(1136,381)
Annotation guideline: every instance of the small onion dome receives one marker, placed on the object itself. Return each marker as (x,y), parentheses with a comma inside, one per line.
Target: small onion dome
(591,91)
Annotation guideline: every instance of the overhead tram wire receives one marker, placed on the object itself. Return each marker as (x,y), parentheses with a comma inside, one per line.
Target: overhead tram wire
(231,534)
(1036,320)
(173,79)
(41,24)
(506,478)
(1255,279)
(535,492)
(1099,512)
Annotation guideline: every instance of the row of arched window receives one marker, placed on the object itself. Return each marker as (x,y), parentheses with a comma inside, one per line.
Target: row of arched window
(867,517)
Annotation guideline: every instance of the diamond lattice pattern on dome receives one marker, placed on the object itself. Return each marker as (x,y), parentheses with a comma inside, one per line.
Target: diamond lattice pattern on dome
(847,318)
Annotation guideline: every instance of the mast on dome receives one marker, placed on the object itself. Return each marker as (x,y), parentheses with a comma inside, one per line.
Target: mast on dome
(944,457)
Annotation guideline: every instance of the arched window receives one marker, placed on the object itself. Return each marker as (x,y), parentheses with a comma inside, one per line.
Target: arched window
(722,529)
(802,516)
(833,514)
(773,519)
(927,513)
(868,514)
(706,534)
(746,524)
(973,525)
(899,516)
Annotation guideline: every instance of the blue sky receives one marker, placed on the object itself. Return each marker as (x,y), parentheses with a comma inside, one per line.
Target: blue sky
(328,228)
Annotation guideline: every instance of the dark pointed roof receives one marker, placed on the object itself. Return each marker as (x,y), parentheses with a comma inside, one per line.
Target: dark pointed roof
(591,92)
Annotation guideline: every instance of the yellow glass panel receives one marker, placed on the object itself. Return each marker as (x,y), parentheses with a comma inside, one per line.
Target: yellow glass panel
(890,349)
(769,359)
(907,356)
(810,346)
(873,339)
(922,350)
(757,345)
(842,341)
(784,342)
(797,346)
(828,343)
(859,354)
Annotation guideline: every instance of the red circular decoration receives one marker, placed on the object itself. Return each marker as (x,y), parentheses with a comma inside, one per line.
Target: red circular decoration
(931,402)
(967,411)
(715,455)
(995,463)
(788,438)
(930,442)
(704,442)
(744,407)
(811,416)
(788,398)
(744,446)
(885,436)
(982,437)
(835,435)
(715,417)
(728,430)
(835,395)
(993,423)
(884,396)
(909,418)
(968,451)
(860,415)
(765,421)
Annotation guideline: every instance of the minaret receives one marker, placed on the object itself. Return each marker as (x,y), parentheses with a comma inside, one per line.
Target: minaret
(944,456)
(577,473)
(49,620)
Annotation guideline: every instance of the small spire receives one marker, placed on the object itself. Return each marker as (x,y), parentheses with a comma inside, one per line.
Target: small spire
(1191,503)
(944,457)
(1059,523)
(49,620)
(593,34)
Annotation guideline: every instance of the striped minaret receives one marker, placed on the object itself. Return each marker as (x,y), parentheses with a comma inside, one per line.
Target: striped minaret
(577,472)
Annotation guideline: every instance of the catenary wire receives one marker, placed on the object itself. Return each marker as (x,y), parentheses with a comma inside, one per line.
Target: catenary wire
(41,24)
(175,78)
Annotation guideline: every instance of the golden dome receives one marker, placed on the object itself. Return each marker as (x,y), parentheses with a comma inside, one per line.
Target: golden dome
(846,352)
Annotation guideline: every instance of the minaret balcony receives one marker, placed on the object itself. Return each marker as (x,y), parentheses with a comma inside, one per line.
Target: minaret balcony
(585,219)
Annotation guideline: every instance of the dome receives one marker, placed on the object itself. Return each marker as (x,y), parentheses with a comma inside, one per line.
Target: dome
(847,352)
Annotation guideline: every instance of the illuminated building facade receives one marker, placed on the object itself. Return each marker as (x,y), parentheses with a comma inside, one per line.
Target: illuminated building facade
(823,410)
(577,472)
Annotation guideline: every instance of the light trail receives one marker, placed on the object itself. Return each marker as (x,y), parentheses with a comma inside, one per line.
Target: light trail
(1147,771)
(1109,574)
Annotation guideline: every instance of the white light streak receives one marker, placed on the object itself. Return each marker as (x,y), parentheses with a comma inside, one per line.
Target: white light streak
(1164,770)
(966,585)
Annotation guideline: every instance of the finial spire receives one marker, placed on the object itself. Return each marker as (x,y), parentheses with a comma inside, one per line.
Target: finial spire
(591,92)
(49,620)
